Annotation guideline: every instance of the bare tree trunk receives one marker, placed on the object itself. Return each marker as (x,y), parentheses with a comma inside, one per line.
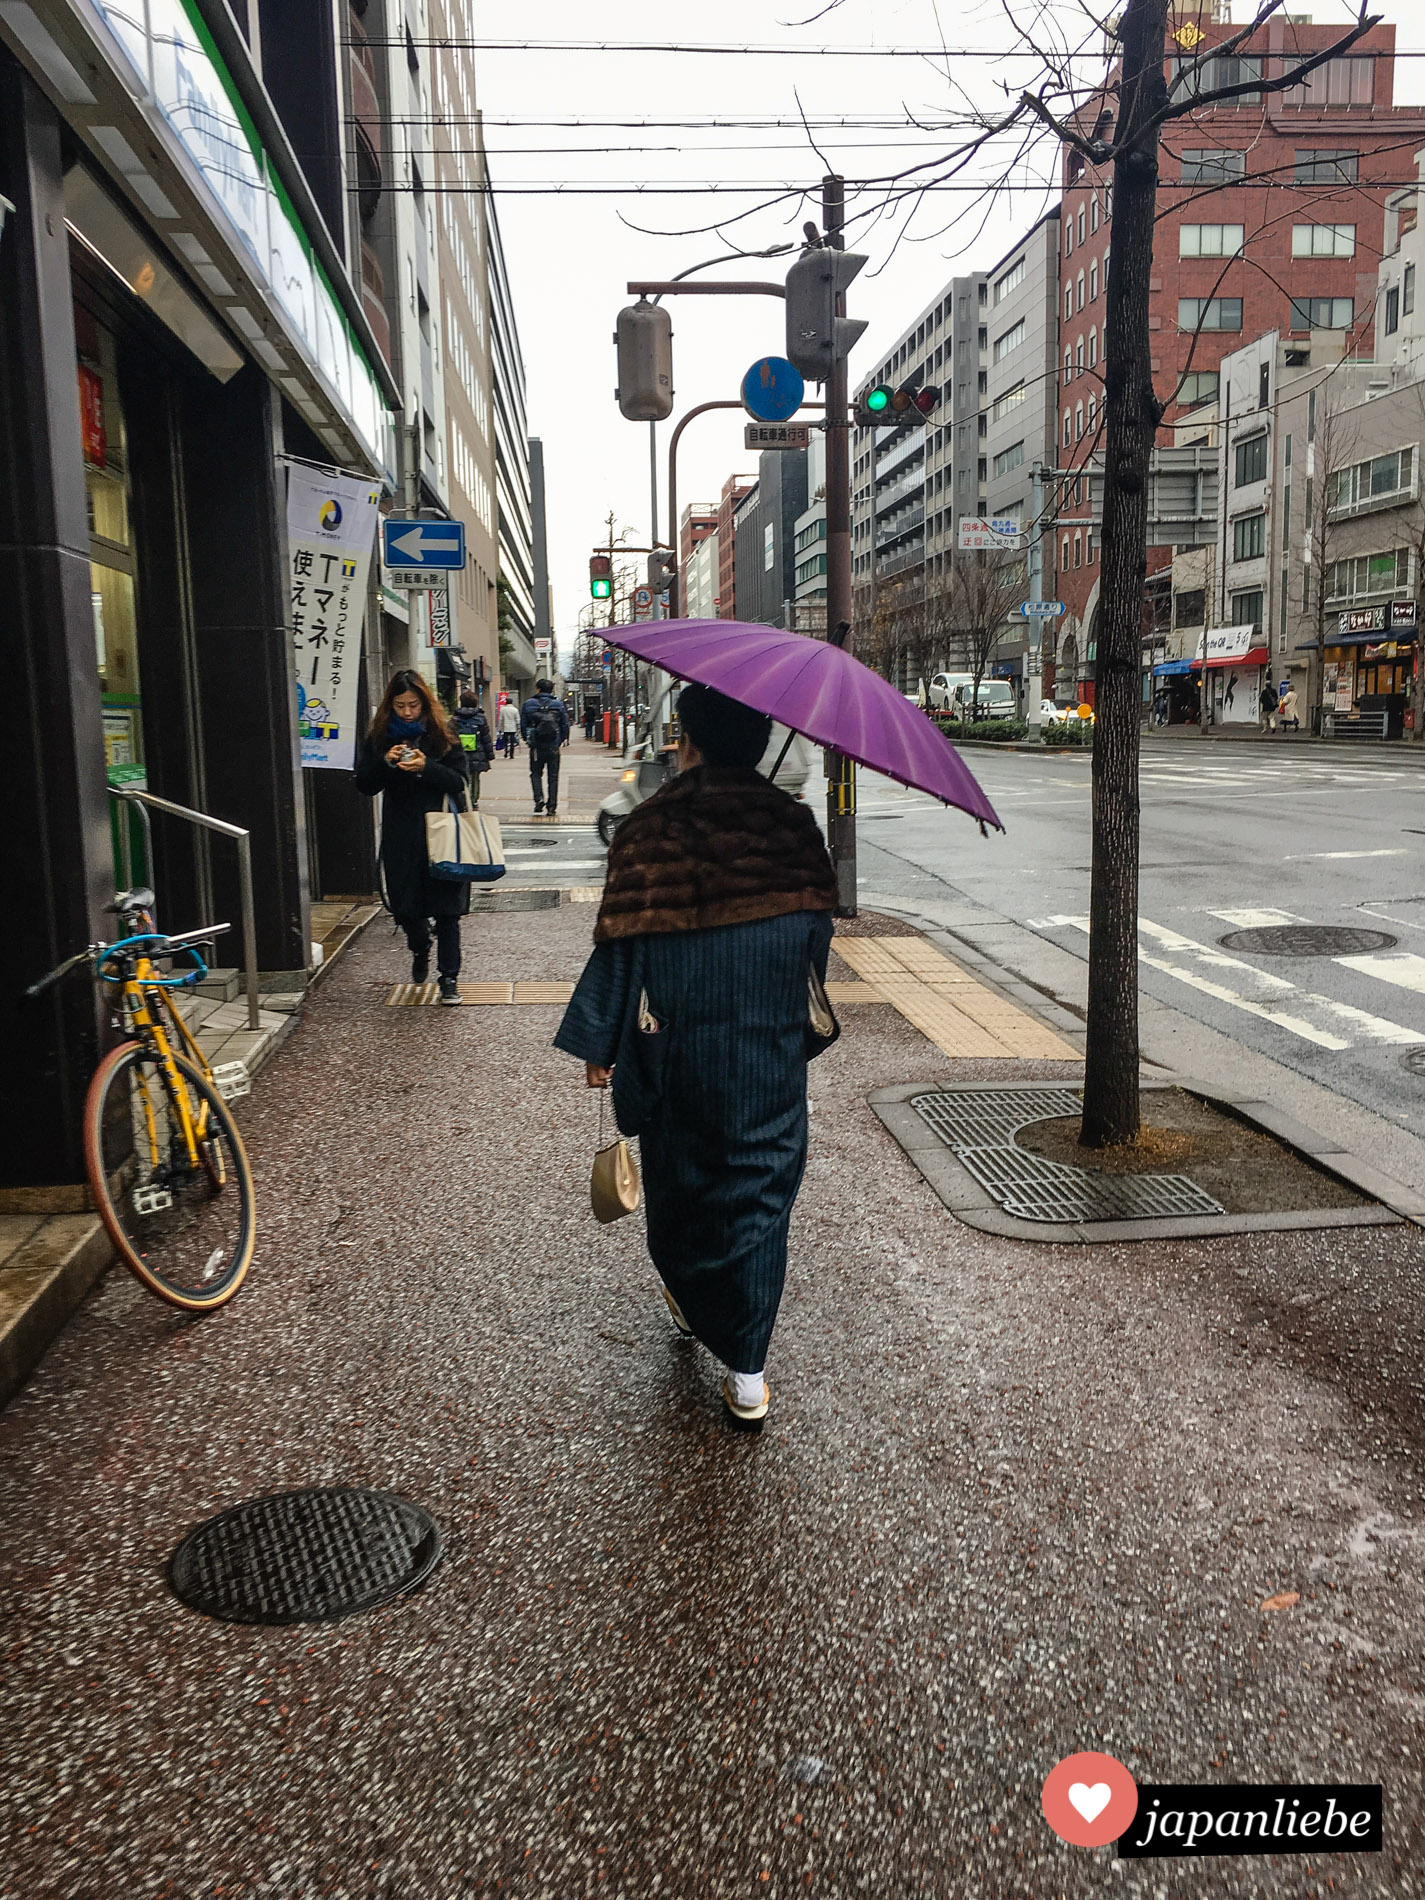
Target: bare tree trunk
(1111,1106)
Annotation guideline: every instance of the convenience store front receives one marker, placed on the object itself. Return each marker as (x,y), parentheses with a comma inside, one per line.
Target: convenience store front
(1369,672)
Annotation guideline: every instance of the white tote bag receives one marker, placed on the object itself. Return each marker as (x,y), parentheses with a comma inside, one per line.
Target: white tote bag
(464,847)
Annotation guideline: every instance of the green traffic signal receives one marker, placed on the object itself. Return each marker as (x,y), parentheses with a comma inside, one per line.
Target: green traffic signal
(601,589)
(878,399)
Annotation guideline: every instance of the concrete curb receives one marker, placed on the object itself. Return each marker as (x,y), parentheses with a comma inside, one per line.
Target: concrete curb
(41,1285)
(971,1204)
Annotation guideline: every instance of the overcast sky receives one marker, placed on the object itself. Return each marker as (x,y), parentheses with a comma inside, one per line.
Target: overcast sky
(572,255)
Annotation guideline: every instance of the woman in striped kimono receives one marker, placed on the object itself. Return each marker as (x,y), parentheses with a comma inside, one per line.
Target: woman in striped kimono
(716,915)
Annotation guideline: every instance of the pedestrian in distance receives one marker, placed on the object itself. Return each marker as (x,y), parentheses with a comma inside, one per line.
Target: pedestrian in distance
(697,1004)
(1291,710)
(472,729)
(591,717)
(544,726)
(412,758)
(508,720)
(1267,708)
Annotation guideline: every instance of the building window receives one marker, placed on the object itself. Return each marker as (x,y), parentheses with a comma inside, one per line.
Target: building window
(1209,240)
(1011,399)
(808,570)
(1011,340)
(1340,82)
(1407,291)
(1365,574)
(1011,278)
(1081,224)
(1079,357)
(1009,458)
(1064,563)
(1251,462)
(1322,313)
(1068,428)
(1323,240)
(1189,79)
(1093,281)
(1078,422)
(1081,289)
(1068,364)
(1392,310)
(1320,167)
(1093,347)
(769,546)
(1209,313)
(1249,537)
(1190,607)
(1093,413)
(1197,387)
(1069,238)
(1093,213)
(1384,479)
(1068,300)
(1078,549)
(1213,167)
(1246,609)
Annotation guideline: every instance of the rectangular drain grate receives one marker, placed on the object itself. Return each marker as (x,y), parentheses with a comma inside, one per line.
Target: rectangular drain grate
(979,1126)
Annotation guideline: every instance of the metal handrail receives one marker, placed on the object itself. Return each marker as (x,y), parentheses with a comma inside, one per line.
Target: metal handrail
(131,795)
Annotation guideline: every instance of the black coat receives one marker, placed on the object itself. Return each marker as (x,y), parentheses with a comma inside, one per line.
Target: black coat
(473,730)
(410,889)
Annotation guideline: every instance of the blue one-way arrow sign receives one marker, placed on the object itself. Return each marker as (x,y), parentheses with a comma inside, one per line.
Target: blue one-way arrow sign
(422,543)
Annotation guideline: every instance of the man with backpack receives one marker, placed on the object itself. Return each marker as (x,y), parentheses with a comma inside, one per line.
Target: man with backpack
(544,726)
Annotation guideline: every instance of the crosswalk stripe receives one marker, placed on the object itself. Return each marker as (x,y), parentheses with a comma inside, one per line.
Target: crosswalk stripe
(1402,968)
(1316,1019)
(1255,919)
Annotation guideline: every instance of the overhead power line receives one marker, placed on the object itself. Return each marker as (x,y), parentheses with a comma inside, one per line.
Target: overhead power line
(442,44)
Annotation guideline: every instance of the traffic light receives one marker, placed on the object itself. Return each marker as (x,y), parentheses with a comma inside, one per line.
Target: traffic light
(661,569)
(645,362)
(816,337)
(600,580)
(882,406)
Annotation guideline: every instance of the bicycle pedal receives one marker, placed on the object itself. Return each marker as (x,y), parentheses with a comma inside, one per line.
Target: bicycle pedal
(151,1200)
(232,1080)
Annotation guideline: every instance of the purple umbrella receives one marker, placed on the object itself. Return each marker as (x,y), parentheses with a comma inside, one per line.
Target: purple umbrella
(817,689)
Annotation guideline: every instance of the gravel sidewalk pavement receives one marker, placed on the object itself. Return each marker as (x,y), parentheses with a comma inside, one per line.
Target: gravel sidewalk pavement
(1013,1501)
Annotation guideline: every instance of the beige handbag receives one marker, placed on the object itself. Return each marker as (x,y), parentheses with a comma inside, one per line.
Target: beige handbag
(613,1182)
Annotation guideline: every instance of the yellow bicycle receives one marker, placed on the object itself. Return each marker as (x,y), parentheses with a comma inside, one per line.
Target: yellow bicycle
(166,1165)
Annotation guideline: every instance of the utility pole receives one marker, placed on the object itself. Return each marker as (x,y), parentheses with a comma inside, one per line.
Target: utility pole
(840,771)
(1035,631)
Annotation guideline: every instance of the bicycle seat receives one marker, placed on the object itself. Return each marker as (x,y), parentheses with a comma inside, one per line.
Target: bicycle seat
(137,899)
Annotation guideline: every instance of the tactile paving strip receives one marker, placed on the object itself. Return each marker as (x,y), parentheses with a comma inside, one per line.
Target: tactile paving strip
(979,1126)
(959,1014)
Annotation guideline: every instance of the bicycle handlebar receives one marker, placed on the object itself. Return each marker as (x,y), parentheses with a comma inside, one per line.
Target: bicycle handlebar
(99,953)
(47,982)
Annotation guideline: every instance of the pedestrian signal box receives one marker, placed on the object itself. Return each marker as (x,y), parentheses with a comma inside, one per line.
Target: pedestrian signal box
(601,584)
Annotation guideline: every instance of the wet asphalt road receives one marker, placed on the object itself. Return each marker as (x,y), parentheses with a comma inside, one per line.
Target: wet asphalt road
(1012,1502)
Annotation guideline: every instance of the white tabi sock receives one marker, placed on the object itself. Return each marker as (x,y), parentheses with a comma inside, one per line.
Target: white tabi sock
(746,1387)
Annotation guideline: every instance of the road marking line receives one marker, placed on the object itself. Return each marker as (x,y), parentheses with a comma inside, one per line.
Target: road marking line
(1402,968)
(1255,919)
(1297,857)
(1317,1019)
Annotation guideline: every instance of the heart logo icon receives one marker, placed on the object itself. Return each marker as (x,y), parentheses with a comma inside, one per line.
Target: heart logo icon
(1090,1802)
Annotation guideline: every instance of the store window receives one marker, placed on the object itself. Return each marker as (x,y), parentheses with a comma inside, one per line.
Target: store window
(1246,609)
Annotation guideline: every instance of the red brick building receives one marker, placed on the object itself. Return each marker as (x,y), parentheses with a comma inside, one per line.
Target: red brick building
(733,491)
(1271,216)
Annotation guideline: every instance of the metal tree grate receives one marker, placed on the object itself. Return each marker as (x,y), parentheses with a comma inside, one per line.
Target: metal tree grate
(979,1126)
(305,1556)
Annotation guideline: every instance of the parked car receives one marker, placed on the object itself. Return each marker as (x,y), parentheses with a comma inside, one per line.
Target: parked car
(1050,714)
(952,693)
(650,766)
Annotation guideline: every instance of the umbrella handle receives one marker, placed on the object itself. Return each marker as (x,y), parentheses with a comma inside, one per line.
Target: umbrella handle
(781,757)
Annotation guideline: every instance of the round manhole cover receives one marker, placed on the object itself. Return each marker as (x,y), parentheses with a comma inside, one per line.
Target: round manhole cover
(1308,940)
(305,1556)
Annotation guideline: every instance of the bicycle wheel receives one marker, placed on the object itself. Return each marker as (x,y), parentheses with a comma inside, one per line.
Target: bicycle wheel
(185,1224)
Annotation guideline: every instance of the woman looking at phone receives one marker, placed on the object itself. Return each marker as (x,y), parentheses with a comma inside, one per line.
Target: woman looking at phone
(412,758)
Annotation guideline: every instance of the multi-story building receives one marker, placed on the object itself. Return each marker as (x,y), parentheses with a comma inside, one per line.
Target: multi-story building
(698,521)
(1020,406)
(513,510)
(734,491)
(765,529)
(180,235)
(1400,318)
(809,547)
(699,589)
(1271,217)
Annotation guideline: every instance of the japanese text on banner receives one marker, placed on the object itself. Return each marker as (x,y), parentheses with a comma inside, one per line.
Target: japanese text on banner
(331,526)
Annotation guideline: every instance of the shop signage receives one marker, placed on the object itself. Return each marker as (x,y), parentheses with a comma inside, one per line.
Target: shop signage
(1220,646)
(331,529)
(1000,531)
(440,614)
(1363,620)
(1402,613)
(176,66)
(1385,651)
(91,417)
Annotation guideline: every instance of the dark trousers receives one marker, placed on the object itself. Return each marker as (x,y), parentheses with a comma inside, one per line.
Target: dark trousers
(508,742)
(542,765)
(447,941)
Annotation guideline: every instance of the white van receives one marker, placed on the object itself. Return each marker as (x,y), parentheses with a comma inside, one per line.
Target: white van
(951,692)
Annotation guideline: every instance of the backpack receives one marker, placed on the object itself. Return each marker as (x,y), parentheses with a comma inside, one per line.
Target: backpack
(544,730)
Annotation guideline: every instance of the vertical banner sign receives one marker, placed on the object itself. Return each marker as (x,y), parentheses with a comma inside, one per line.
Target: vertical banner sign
(440,615)
(331,525)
